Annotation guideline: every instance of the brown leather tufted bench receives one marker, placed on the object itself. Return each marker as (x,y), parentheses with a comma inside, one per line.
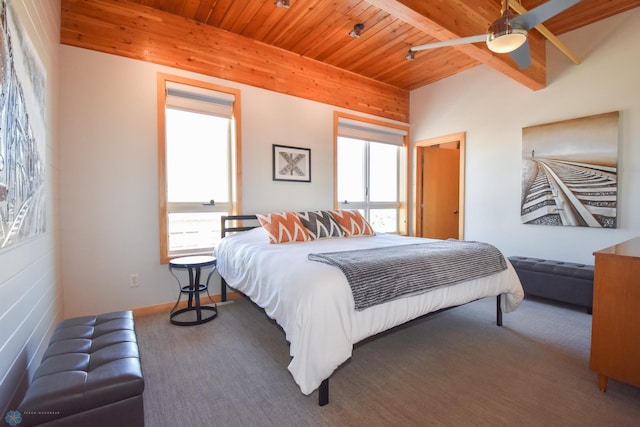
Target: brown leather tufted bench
(556,280)
(90,375)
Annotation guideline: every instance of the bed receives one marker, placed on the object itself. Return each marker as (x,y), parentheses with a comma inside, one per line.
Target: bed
(313,303)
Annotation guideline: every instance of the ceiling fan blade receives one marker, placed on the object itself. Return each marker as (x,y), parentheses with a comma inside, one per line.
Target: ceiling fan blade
(543,12)
(522,56)
(454,42)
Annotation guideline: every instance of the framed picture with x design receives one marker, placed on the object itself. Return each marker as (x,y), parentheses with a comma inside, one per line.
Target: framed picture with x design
(291,163)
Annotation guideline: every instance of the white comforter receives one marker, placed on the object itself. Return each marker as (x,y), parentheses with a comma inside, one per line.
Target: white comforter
(313,304)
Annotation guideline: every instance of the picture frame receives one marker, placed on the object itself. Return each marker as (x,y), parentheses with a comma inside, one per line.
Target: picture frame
(291,163)
(23,134)
(570,172)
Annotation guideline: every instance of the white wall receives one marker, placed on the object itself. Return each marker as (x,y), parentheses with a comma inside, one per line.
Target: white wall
(109,201)
(492,109)
(109,179)
(30,278)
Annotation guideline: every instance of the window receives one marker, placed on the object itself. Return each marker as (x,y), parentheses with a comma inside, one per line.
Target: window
(198,158)
(371,171)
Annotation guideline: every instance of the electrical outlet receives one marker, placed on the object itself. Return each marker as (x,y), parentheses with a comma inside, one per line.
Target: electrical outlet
(134,281)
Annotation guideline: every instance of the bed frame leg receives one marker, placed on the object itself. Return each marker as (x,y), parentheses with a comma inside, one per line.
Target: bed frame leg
(223,290)
(498,311)
(323,393)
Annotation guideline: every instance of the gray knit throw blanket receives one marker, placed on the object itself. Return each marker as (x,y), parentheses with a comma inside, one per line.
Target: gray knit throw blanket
(382,274)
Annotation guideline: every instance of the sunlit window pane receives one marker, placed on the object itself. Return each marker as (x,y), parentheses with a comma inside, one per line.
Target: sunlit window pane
(351,170)
(368,175)
(371,172)
(384,220)
(197,157)
(188,231)
(197,162)
(383,179)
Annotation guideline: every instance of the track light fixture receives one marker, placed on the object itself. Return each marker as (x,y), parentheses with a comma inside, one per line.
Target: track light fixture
(357,29)
(283,3)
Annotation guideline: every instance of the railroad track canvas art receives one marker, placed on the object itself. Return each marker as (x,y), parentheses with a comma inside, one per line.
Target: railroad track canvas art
(569,172)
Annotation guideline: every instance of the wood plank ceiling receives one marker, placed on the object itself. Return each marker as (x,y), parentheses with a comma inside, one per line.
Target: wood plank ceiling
(312,37)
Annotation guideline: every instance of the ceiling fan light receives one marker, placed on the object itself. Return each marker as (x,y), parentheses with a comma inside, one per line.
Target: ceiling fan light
(507,40)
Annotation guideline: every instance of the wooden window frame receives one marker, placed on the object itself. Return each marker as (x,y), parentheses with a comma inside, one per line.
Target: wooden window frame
(404,163)
(236,163)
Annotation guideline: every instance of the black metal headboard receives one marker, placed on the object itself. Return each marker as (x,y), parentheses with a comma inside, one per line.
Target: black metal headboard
(235,223)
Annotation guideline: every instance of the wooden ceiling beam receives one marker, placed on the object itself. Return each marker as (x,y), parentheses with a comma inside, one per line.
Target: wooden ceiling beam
(517,7)
(452,19)
(130,30)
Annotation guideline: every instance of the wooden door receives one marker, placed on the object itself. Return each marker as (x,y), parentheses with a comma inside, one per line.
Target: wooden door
(440,192)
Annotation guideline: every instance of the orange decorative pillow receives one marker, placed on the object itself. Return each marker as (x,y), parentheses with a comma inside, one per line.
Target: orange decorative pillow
(284,227)
(352,223)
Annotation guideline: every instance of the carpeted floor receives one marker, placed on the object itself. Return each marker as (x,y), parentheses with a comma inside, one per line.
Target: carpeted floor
(455,368)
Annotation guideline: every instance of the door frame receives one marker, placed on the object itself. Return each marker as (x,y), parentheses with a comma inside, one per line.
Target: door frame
(460,138)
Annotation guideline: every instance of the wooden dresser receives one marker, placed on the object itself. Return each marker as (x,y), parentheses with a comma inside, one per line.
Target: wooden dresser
(615,336)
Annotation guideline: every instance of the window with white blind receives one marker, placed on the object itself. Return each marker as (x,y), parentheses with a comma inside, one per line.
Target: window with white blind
(371,171)
(197,155)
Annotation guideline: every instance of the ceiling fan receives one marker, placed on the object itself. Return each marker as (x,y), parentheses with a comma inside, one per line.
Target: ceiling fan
(508,34)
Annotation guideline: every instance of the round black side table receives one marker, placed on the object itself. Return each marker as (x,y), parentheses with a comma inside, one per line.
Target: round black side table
(194,313)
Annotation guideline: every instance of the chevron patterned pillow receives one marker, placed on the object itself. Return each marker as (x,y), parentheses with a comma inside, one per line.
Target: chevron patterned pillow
(321,224)
(352,223)
(284,227)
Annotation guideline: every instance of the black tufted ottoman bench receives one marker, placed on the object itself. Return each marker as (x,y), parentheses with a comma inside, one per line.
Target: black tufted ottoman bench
(90,375)
(556,280)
